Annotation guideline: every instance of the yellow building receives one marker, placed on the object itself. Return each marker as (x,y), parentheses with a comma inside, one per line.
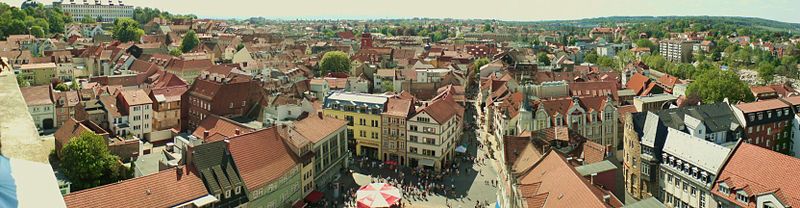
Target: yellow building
(38,74)
(363,114)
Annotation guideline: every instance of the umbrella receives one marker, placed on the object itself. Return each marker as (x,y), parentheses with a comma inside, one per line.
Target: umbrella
(377,195)
(461,149)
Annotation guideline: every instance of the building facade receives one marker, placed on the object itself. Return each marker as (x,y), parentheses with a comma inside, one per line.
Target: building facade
(398,111)
(363,114)
(676,50)
(138,107)
(38,74)
(433,132)
(40,106)
(631,167)
(687,170)
(102,13)
(766,123)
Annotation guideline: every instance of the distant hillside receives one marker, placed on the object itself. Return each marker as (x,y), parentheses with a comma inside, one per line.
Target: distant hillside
(738,21)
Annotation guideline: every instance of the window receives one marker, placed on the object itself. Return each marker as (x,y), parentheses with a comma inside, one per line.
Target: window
(413,139)
(742,197)
(694,191)
(412,149)
(413,128)
(422,119)
(685,186)
(702,200)
(429,152)
(430,141)
(724,188)
(228,194)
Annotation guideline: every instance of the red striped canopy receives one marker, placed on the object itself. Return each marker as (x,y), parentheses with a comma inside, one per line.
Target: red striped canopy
(377,195)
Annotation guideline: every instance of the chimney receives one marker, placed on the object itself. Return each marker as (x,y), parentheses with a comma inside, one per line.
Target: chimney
(591,179)
(205,134)
(188,154)
(319,114)
(228,143)
(607,199)
(238,132)
(179,171)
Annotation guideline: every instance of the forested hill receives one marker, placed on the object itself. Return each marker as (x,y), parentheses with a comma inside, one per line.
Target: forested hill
(684,21)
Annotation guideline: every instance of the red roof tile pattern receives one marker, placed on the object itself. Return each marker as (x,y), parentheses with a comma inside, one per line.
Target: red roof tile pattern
(262,157)
(316,127)
(163,189)
(553,182)
(219,125)
(761,106)
(38,95)
(745,170)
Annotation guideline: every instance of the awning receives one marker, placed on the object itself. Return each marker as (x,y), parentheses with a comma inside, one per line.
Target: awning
(299,204)
(461,149)
(314,196)
(427,162)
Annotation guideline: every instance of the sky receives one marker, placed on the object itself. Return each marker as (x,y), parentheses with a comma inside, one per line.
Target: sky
(517,10)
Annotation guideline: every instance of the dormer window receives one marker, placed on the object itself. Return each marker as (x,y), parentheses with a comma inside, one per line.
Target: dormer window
(724,188)
(238,189)
(228,194)
(742,196)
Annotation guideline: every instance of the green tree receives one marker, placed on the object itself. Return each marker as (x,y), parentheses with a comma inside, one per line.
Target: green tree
(239,47)
(478,63)
(175,52)
(75,85)
(86,161)
(62,87)
(334,61)
(37,31)
(766,71)
(645,43)
(542,58)
(22,82)
(591,57)
(716,85)
(606,61)
(126,29)
(88,20)
(190,41)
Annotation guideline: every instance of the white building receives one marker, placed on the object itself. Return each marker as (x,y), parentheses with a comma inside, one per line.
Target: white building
(688,169)
(40,105)
(137,107)
(106,13)
(433,134)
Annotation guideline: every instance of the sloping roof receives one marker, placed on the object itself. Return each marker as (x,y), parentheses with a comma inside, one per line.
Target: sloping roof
(637,83)
(746,169)
(593,152)
(38,95)
(136,97)
(442,110)
(262,157)
(557,184)
(761,106)
(317,127)
(698,152)
(219,125)
(163,189)
(399,107)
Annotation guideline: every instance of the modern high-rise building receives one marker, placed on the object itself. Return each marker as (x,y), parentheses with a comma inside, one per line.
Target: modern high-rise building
(676,50)
(101,12)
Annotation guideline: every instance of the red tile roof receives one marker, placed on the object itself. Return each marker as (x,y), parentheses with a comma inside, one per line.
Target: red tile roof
(638,83)
(745,170)
(219,125)
(136,97)
(38,95)
(316,127)
(399,107)
(262,157)
(593,152)
(553,182)
(761,106)
(163,189)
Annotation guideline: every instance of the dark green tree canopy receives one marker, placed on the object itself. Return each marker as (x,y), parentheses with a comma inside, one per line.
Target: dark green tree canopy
(334,61)
(126,29)
(190,41)
(86,161)
(715,85)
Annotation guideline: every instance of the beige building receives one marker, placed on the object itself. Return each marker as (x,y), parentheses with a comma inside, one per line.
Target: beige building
(38,74)
(137,107)
(433,133)
(40,105)
(166,112)
(393,139)
(634,185)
